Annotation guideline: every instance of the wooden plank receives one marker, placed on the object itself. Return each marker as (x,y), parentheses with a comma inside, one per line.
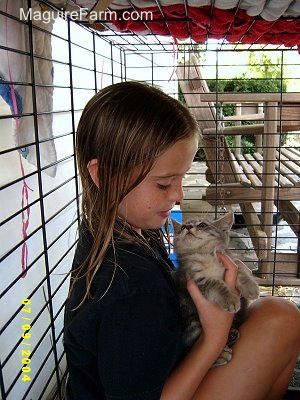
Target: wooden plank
(258,236)
(291,165)
(192,85)
(293,162)
(195,81)
(290,214)
(291,154)
(203,112)
(259,158)
(297,152)
(288,105)
(191,194)
(236,97)
(246,117)
(249,171)
(255,165)
(285,172)
(284,265)
(210,148)
(268,176)
(238,138)
(235,193)
(197,208)
(238,172)
(278,280)
(251,108)
(283,181)
(256,129)
(289,116)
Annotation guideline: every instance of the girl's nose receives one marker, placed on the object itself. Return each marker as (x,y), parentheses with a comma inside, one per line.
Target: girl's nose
(177,194)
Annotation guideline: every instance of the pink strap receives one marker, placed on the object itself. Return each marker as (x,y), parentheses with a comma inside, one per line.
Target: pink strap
(175,57)
(24,195)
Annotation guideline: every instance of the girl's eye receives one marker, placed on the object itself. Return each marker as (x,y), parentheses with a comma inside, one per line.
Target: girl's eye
(162,187)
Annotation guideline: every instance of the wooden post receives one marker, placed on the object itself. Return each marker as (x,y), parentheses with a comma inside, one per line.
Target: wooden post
(238,138)
(258,139)
(268,181)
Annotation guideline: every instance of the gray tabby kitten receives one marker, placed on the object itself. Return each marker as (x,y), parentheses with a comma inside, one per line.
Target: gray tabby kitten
(196,243)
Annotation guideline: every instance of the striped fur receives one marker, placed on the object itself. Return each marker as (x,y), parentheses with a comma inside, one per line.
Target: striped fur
(196,243)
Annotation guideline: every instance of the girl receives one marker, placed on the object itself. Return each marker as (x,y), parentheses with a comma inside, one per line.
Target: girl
(122,320)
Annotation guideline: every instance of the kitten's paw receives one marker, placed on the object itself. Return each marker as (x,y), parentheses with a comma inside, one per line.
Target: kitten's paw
(250,291)
(231,303)
(233,337)
(224,358)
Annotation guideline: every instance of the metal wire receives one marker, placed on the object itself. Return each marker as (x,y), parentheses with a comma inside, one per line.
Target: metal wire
(48,298)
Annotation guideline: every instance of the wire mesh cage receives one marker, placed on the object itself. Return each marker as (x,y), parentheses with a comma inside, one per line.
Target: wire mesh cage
(246,101)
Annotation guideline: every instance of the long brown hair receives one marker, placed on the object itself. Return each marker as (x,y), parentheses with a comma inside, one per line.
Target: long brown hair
(124,126)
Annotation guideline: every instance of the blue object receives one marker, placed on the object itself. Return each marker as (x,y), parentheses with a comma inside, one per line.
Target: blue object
(177,215)
(6,94)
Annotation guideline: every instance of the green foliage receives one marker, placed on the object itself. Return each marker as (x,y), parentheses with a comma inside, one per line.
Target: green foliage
(200,155)
(248,85)
(262,76)
(247,144)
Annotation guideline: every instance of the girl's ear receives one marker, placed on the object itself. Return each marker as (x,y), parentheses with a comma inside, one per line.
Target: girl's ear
(93,170)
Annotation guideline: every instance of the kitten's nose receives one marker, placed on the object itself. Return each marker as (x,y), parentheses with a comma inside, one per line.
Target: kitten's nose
(187,227)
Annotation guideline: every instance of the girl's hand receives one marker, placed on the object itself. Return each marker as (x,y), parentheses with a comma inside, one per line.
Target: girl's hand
(231,271)
(215,321)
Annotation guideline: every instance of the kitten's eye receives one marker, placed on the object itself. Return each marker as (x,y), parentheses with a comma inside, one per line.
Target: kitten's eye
(182,228)
(202,225)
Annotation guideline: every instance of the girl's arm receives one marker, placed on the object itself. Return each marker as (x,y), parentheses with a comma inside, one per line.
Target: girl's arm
(216,323)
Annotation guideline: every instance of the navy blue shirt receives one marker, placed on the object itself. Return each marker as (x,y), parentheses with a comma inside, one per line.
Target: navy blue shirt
(124,342)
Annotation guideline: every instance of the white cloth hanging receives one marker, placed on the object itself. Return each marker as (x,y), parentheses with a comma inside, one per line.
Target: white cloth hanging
(16,75)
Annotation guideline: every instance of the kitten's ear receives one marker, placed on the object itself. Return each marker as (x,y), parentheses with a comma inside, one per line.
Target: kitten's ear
(176,225)
(226,221)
